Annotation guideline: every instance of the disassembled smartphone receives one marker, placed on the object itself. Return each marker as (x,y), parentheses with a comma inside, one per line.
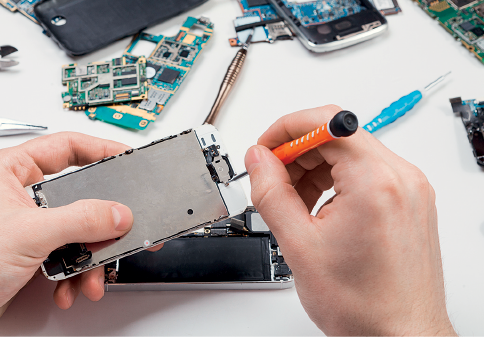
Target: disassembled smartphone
(464,19)
(173,186)
(237,253)
(472,114)
(324,26)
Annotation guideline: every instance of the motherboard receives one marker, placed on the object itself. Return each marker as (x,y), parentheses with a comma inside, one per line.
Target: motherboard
(464,19)
(472,115)
(104,83)
(164,70)
(26,7)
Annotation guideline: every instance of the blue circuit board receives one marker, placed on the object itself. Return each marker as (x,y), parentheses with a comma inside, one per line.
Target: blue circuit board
(321,11)
(9,4)
(26,7)
(166,69)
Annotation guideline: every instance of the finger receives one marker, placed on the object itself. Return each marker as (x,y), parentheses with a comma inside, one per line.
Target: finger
(312,185)
(82,221)
(92,283)
(53,153)
(297,124)
(67,291)
(155,248)
(273,194)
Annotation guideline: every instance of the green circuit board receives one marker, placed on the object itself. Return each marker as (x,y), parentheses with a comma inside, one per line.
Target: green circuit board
(464,19)
(166,68)
(101,83)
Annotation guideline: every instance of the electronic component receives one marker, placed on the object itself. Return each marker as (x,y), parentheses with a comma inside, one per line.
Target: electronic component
(269,26)
(104,83)
(240,253)
(169,75)
(387,7)
(175,193)
(26,7)
(461,18)
(260,16)
(167,67)
(323,25)
(460,4)
(472,115)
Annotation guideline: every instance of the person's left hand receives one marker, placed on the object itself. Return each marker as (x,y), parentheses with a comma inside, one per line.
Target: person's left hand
(30,233)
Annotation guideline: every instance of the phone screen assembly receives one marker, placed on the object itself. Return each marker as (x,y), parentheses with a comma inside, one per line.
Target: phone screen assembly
(238,253)
(173,186)
(326,25)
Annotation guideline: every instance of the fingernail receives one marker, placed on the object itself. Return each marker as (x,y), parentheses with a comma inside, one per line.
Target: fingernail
(252,159)
(101,282)
(122,216)
(70,295)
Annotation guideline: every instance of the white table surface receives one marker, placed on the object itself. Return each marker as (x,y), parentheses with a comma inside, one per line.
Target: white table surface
(276,80)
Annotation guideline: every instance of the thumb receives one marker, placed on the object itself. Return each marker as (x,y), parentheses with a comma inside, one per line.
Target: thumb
(273,195)
(82,221)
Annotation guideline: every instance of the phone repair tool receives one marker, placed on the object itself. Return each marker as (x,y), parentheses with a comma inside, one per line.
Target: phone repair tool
(4,51)
(344,124)
(230,76)
(401,107)
(9,127)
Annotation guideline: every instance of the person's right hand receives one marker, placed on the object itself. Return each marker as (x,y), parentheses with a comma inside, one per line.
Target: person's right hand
(369,263)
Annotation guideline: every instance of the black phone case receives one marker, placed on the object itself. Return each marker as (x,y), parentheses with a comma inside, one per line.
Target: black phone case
(94,24)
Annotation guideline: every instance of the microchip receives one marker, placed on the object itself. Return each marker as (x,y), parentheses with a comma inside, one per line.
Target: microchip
(167,54)
(254,3)
(118,61)
(169,75)
(184,53)
(129,81)
(478,31)
(467,26)
(459,4)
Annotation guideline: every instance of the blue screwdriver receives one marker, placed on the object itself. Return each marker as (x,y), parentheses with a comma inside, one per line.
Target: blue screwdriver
(401,107)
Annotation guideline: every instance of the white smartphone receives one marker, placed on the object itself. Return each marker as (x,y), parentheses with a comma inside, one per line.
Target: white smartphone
(173,186)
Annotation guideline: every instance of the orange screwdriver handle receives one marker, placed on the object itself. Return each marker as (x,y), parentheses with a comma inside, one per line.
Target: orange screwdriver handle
(344,124)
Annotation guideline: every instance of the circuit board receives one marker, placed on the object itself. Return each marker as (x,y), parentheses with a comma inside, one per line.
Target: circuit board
(271,27)
(461,18)
(9,4)
(26,7)
(102,83)
(166,69)
(472,115)
(322,11)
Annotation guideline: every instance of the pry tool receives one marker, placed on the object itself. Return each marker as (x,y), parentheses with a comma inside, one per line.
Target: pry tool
(229,80)
(4,51)
(343,124)
(10,127)
(401,107)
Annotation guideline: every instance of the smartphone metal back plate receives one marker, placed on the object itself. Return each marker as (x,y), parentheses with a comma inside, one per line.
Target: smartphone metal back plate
(166,184)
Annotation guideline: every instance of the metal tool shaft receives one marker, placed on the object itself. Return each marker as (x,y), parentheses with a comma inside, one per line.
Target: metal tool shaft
(227,84)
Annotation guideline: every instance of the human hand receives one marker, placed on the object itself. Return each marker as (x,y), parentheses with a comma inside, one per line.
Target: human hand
(30,233)
(369,262)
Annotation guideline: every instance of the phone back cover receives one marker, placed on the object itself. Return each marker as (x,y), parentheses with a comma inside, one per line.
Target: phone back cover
(93,24)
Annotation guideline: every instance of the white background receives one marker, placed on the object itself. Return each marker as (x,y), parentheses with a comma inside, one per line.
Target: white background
(276,80)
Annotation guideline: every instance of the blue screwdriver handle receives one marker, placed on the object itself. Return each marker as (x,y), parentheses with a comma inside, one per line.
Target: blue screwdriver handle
(394,111)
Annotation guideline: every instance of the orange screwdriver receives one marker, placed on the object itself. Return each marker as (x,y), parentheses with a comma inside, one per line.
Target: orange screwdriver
(344,124)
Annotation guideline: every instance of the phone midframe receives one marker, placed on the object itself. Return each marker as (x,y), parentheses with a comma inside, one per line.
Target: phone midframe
(168,186)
